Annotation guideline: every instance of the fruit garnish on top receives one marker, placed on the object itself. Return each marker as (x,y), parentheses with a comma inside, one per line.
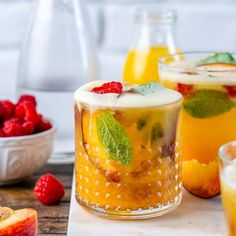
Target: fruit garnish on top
(110,87)
(118,88)
(19,222)
(205,103)
(218,57)
(21,118)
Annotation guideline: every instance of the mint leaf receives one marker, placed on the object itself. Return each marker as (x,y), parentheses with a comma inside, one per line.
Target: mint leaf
(114,138)
(224,57)
(208,103)
(145,89)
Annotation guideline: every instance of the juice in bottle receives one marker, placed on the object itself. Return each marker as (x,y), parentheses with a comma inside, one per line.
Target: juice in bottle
(154,39)
(127,163)
(141,64)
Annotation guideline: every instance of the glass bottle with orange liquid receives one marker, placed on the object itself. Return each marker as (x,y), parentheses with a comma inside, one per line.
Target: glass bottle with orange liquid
(154,38)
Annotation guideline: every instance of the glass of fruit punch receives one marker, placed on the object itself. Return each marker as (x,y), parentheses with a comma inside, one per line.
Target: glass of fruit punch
(127,163)
(227,154)
(207,82)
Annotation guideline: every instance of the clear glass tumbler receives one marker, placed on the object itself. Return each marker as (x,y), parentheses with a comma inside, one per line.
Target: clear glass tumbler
(227,155)
(57,56)
(127,163)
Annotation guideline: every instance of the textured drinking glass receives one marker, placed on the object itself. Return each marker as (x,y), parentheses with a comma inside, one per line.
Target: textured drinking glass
(227,155)
(208,116)
(127,163)
(57,56)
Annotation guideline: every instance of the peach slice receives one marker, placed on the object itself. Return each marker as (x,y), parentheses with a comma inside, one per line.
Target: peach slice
(18,223)
(201,179)
(219,66)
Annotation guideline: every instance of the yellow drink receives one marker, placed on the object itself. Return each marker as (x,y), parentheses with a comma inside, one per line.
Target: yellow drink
(200,138)
(151,182)
(228,195)
(228,185)
(141,64)
(207,119)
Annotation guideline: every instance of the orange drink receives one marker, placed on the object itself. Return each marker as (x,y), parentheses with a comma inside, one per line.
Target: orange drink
(208,115)
(141,64)
(127,163)
(227,154)
(153,39)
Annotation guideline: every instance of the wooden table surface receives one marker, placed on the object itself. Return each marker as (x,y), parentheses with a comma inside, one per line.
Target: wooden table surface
(53,220)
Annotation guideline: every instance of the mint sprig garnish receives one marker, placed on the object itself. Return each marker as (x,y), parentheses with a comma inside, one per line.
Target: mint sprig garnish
(219,57)
(114,138)
(145,89)
(208,103)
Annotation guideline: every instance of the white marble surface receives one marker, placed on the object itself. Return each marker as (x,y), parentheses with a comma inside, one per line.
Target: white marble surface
(195,217)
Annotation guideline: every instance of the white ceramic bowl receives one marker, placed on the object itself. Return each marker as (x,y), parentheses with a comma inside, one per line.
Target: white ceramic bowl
(22,156)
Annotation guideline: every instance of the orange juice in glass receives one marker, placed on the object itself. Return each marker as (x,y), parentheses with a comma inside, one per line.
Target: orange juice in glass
(127,163)
(207,82)
(227,154)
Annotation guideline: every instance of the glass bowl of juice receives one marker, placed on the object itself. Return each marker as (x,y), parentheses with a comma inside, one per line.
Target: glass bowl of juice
(227,155)
(207,82)
(127,162)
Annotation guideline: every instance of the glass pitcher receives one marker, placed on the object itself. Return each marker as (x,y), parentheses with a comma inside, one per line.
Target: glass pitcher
(57,56)
(154,38)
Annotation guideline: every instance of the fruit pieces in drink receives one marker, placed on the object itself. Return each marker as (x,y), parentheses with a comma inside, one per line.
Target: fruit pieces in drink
(148,175)
(207,118)
(201,180)
(19,222)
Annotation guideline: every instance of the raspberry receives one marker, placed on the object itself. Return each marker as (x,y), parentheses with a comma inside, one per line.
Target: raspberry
(2,134)
(184,89)
(27,97)
(20,111)
(9,107)
(48,189)
(110,87)
(2,110)
(12,128)
(26,111)
(43,124)
(31,115)
(231,90)
(28,128)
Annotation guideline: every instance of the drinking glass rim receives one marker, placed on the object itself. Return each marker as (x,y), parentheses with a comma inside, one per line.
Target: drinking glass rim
(199,71)
(225,158)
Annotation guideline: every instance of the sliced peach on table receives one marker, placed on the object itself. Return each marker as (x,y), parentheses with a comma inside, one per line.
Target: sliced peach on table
(18,223)
(201,179)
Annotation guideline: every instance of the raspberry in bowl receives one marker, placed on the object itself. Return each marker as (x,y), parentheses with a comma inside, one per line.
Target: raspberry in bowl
(26,139)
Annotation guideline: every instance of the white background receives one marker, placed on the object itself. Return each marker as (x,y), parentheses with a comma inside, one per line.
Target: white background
(202,25)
